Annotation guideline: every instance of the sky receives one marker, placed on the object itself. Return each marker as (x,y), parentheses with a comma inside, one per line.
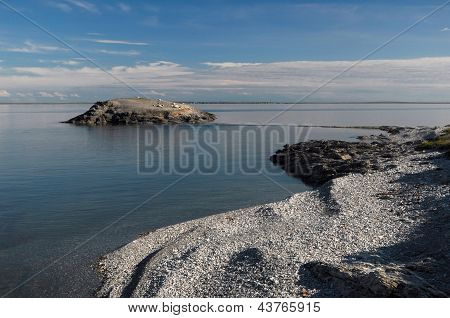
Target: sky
(83,50)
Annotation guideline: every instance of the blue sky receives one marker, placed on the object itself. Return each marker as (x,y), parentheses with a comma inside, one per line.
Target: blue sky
(223,50)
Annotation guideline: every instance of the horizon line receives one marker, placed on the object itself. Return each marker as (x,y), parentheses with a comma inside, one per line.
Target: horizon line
(248,102)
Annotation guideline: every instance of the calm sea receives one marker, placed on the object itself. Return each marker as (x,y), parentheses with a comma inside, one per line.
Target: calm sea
(60,185)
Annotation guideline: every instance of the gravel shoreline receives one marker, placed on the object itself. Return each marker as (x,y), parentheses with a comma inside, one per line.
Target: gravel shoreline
(381,234)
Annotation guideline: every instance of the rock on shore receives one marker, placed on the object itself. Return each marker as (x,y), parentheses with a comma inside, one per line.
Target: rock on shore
(318,161)
(138,110)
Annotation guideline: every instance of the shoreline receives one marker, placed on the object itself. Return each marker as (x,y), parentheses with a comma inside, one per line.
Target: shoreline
(356,235)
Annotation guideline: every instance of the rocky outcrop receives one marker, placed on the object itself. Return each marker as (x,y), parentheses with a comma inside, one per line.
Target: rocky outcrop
(318,161)
(140,111)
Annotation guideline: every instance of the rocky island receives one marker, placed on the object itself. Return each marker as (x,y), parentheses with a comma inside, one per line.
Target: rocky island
(127,111)
(367,229)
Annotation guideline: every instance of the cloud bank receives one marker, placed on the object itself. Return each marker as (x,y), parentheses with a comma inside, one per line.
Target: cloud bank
(420,79)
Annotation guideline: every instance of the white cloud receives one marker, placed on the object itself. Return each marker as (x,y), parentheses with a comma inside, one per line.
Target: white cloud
(90,7)
(59,95)
(59,5)
(4,93)
(53,95)
(106,41)
(124,7)
(45,94)
(70,62)
(125,53)
(229,64)
(446,29)
(62,62)
(30,47)
(25,94)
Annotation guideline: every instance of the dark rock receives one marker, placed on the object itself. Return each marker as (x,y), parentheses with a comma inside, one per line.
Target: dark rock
(249,257)
(248,272)
(316,162)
